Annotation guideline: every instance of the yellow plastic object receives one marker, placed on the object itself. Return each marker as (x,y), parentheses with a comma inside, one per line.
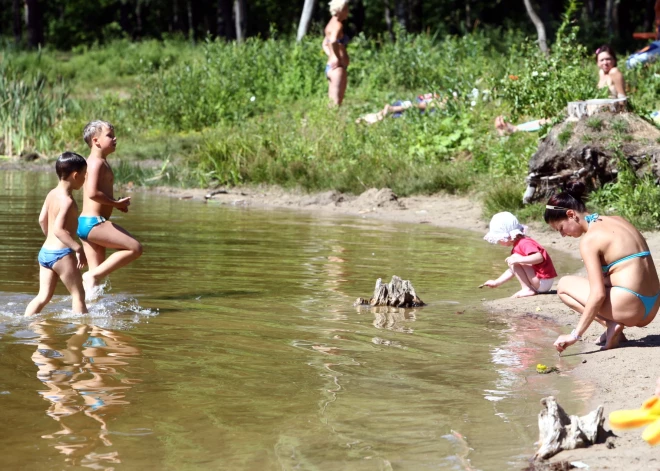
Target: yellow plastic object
(648,414)
(543,370)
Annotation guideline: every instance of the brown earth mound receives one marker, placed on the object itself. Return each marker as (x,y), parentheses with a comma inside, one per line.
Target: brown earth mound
(589,150)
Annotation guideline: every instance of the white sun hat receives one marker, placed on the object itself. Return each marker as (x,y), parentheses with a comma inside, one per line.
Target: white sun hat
(504,226)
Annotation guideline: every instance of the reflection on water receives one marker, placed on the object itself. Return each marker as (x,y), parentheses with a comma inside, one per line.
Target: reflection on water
(88,376)
(234,344)
(392,318)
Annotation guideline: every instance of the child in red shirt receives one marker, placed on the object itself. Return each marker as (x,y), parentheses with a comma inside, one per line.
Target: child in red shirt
(529,262)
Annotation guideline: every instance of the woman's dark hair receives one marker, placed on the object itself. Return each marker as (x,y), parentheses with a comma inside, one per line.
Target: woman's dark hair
(570,198)
(608,49)
(69,162)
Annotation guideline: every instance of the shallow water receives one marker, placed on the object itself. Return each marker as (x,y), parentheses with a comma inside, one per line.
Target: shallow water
(233,344)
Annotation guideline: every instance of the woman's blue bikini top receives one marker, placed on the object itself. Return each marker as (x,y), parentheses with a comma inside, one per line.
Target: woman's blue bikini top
(606,268)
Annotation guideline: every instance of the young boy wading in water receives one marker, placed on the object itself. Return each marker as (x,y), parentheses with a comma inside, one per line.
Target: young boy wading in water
(61,255)
(94,227)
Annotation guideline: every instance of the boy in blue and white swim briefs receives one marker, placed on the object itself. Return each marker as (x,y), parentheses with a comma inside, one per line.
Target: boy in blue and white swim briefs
(61,255)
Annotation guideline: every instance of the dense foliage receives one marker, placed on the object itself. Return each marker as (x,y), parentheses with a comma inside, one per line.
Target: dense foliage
(222,113)
(67,24)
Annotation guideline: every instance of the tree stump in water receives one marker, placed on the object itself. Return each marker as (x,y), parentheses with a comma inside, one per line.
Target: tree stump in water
(589,150)
(558,431)
(396,293)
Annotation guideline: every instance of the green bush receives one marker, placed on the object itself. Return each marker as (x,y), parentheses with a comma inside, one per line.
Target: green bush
(636,199)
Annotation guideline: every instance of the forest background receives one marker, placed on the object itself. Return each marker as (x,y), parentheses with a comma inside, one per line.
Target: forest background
(212,93)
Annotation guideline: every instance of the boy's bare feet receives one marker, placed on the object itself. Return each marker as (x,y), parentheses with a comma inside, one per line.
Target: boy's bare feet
(523,293)
(614,331)
(92,288)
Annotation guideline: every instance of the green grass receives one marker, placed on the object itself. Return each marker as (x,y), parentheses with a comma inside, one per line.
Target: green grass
(219,113)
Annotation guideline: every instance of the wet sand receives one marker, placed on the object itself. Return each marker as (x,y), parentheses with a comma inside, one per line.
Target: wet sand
(622,378)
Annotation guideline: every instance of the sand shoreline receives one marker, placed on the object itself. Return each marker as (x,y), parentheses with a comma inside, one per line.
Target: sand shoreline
(622,378)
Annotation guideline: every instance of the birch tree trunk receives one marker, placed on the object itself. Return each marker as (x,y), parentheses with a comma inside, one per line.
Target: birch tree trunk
(305,19)
(35,25)
(239,16)
(388,19)
(540,28)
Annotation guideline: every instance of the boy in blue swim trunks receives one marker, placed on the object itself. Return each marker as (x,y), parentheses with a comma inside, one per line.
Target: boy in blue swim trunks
(61,255)
(94,226)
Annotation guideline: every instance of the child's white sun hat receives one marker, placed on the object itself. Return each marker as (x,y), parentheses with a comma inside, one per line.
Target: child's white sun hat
(504,226)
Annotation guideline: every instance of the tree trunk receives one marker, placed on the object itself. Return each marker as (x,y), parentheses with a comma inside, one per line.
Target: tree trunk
(468,16)
(35,25)
(18,26)
(401,12)
(138,20)
(540,28)
(305,19)
(616,25)
(609,10)
(189,13)
(239,16)
(591,8)
(388,19)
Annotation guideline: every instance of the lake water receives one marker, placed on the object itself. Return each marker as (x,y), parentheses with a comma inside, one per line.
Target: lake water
(233,344)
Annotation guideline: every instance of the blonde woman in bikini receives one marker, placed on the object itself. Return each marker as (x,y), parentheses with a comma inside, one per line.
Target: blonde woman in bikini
(334,45)
(609,76)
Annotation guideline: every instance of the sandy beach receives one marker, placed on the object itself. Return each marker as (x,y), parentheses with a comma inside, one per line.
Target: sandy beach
(622,378)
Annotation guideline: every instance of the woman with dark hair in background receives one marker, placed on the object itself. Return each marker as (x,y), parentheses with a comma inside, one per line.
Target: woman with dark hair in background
(622,287)
(608,76)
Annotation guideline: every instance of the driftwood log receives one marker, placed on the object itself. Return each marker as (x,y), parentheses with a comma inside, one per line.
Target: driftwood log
(558,431)
(589,150)
(396,293)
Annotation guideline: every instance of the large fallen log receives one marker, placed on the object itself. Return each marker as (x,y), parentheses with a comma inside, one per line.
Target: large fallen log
(558,431)
(396,293)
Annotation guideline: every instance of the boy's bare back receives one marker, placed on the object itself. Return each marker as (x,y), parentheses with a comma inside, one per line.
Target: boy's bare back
(59,207)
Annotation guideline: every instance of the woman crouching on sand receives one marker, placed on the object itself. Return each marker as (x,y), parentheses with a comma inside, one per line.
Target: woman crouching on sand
(622,287)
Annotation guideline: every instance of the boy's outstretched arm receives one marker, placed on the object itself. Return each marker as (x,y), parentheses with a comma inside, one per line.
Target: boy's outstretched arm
(64,235)
(43,218)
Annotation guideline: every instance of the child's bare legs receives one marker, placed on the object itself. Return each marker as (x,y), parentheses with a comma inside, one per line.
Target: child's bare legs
(67,271)
(108,235)
(527,278)
(47,283)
